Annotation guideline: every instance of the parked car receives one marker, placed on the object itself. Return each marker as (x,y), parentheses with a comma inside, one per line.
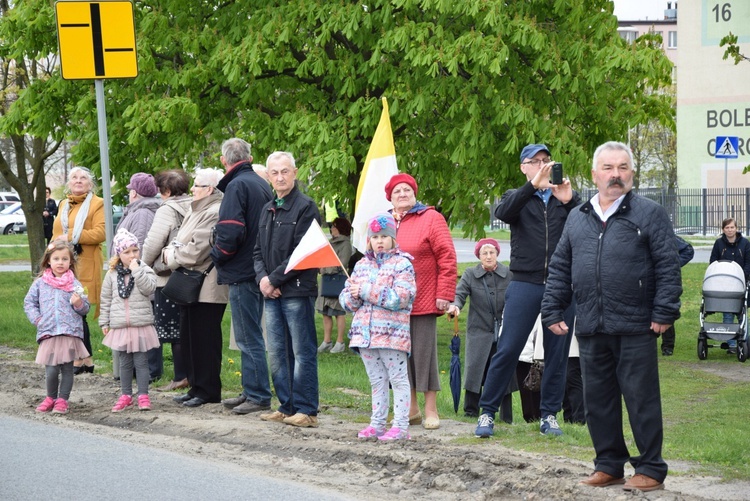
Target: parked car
(11,218)
(116,215)
(7,199)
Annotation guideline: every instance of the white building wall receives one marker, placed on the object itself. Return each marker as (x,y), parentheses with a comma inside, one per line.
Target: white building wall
(713,94)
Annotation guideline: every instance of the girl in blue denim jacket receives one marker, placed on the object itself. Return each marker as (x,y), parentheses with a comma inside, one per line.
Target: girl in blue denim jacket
(56,304)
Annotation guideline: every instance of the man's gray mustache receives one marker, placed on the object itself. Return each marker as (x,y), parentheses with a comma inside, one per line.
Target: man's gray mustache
(616,182)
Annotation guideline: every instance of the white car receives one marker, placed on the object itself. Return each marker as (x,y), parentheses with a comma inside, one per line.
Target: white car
(11,218)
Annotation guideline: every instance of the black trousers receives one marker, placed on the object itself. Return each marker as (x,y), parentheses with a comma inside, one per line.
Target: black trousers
(530,400)
(667,339)
(573,410)
(201,342)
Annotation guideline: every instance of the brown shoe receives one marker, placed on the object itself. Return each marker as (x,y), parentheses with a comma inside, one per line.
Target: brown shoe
(275,416)
(601,479)
(415,419)
(642,483)
(174,385)
(302,420)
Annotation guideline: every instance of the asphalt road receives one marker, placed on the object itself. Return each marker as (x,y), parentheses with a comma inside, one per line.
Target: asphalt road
(46,461)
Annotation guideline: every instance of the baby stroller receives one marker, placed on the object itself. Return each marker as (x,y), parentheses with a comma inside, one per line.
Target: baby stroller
(724,291)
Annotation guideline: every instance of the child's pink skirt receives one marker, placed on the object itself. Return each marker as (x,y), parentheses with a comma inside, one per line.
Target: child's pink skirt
(132,339)
(58,350)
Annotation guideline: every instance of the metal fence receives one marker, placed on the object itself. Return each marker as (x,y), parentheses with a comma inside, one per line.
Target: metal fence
(692,211)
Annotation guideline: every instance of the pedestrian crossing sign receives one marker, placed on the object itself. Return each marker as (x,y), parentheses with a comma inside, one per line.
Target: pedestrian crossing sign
(727,147)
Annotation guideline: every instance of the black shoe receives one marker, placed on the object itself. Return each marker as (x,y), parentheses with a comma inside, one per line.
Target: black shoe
(247,407)
(666,352)
(182,398)
(83,368)
(194,402)
(231,403)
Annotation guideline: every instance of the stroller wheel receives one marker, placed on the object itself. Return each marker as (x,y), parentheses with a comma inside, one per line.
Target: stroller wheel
(742,349)
(702,349)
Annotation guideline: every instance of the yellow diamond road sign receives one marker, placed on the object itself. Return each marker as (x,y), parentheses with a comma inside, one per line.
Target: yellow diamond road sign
(97,40)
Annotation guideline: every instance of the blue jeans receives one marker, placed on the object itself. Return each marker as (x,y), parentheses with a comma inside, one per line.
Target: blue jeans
(523,302)
(293,350)
(616,368)
(247,310)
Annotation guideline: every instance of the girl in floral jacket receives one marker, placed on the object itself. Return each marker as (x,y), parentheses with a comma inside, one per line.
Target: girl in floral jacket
(380,292)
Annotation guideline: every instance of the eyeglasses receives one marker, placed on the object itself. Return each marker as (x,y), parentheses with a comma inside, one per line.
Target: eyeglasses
(537,161)
(201,186)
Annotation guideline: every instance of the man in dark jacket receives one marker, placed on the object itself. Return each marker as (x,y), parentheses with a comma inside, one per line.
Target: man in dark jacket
(289,297)
(536,213)
(617,256)
(245,194)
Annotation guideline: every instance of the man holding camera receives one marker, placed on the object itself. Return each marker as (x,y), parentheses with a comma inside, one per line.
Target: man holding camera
(536,213)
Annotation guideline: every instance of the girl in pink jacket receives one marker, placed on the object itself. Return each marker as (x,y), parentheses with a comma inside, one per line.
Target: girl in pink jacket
(380,292)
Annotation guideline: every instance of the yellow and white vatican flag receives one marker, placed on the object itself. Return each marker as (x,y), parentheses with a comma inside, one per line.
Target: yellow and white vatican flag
(313,251)
(380,166)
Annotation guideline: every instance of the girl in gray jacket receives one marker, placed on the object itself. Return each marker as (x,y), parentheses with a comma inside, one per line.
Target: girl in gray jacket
(56,304)
(127,319)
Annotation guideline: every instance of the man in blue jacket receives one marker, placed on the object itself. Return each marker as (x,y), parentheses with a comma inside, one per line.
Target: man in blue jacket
(245,194)
(617,256)
(289,297)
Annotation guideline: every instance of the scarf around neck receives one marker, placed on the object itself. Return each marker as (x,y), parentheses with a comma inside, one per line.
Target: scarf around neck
(124,289)
(64,283)
(83,213)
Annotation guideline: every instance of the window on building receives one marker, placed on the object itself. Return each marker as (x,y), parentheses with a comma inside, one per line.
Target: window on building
(628,35)
(672,42)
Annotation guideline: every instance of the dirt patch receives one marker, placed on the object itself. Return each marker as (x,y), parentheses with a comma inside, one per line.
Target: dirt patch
(434,464)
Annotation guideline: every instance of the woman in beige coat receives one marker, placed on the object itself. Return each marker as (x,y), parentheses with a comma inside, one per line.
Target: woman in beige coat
(200,323)
(173,185)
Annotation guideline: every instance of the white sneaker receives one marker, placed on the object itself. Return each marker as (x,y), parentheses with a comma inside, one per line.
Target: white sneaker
(338,348)
(324,346)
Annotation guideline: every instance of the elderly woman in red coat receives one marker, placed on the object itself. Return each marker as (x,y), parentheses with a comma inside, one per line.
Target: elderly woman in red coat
(423,233)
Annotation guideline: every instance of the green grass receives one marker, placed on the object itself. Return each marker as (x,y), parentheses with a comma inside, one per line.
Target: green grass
(14,248)
(704,414)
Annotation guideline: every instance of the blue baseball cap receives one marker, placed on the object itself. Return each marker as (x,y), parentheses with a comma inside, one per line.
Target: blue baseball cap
(532,149)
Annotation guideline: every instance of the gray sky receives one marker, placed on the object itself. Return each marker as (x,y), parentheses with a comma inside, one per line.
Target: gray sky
(637,10)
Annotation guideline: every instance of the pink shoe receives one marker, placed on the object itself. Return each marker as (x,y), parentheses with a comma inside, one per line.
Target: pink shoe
(46,405)
(61,406)
(395,434)
(123,403)
(370,432)
(144,403)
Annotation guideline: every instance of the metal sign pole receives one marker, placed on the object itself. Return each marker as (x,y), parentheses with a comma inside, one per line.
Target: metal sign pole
(104,153)
(726,170)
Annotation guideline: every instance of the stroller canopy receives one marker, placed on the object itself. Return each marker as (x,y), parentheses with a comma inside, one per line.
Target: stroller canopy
(724,279)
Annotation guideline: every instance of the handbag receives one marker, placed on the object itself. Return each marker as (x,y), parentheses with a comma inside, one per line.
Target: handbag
(184,285)
(332,285)
(533,380)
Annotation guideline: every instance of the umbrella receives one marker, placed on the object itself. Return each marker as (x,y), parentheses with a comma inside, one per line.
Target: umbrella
(455,379)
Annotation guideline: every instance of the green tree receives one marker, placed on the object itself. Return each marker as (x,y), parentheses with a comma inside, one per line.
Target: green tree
(32,107)
(469,83)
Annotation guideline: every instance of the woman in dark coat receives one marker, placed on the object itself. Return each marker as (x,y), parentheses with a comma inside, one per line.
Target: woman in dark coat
(485,284)
(732,246)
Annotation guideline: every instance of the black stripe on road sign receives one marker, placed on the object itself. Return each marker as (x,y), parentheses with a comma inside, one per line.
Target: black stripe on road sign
(96,35)
(72,25)
(126,49)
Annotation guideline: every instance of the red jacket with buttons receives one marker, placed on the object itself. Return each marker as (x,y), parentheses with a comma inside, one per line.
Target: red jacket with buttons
(423,233)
